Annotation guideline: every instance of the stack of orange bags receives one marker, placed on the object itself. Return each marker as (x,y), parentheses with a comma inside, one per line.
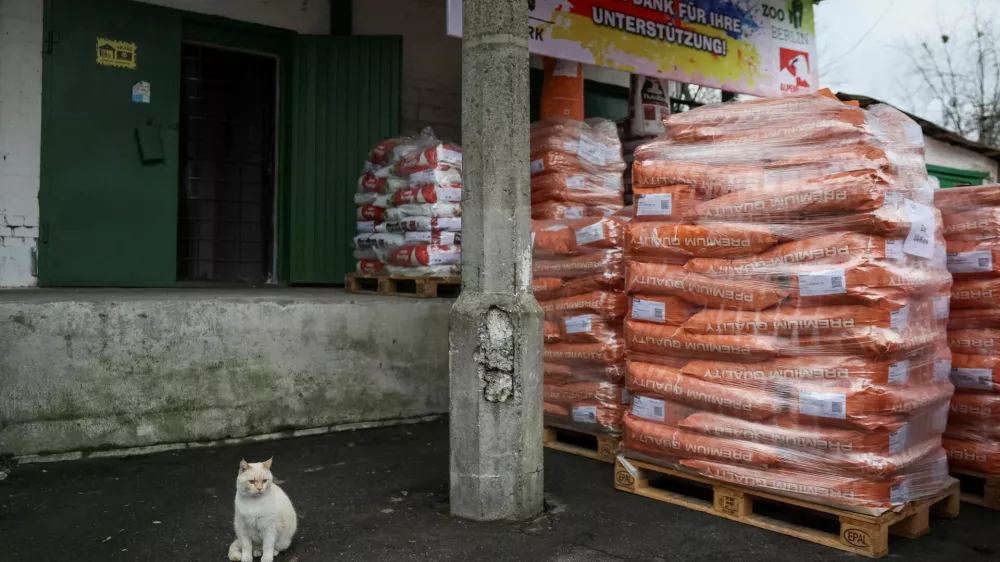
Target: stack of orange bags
(972,229)
(787,281)
(579,267)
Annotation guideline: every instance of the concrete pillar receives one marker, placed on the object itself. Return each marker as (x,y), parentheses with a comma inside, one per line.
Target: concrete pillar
(496,323)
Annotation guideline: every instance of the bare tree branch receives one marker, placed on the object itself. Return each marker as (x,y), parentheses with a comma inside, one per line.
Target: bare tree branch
(960,70)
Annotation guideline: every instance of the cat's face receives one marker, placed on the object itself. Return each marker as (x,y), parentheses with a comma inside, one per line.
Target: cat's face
(254,478)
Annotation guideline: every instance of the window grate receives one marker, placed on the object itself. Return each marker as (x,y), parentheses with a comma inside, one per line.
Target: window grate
(226,198)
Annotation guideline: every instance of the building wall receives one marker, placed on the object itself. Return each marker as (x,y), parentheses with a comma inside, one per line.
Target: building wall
(20,138)
(432,61)
(119,369)
(943,154)
(21,108)
(304,16)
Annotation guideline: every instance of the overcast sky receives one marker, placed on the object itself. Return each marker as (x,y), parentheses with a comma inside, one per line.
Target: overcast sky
(876,66)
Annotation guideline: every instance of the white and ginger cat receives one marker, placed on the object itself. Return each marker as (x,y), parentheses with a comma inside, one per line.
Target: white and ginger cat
(265,519)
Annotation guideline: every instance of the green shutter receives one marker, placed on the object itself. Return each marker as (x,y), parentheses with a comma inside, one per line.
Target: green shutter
(345,97)
(950,177)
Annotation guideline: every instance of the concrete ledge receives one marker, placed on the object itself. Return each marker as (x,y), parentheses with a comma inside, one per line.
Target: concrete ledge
(90,370)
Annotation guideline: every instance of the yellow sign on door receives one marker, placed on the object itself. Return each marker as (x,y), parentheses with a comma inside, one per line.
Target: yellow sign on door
(120,54)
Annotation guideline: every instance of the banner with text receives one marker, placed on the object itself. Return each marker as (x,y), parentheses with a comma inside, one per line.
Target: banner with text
(762,48)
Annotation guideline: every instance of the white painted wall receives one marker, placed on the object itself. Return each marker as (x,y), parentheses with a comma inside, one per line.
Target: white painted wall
(20,138)
(21,108)
(432,61)
(304,16)
(943,154)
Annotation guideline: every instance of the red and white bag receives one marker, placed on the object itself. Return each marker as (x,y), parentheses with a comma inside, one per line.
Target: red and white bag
(370,266)
(378,240)
(438,210)
(413,255)
(372,183)
(446,176)
(436,156)
(427,194)
(369,212)
(436,237)
(421,224)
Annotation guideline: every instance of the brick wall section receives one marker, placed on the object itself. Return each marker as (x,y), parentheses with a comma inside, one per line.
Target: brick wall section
(20,138)
(432,61)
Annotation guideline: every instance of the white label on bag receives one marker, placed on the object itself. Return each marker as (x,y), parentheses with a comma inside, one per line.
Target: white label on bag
(942,307)
(828,282)
(899,373)
(589,234)
(970,262)
(565,68)
(892,198)
(573,212)
(920,241)
(899,318)
(942,370)
(651,311)
(823,404)
(591,152)
(897,440)
(578,324)
(444,255)
(894,249)
(900,493)
(658,204)
(449,156)
(576,182)
(648,408)
(449,195)
(585,414)
(537,166)
(979,379)
(532,241)
(612,181)
(366,226)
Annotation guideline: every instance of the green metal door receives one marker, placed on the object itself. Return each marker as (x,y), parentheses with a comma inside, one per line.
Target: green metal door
(108,196)
(346,97)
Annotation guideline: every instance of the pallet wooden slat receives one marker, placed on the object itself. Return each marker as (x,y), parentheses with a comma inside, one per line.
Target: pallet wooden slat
(604,450)
(867,535)
(990,497)
(403,286)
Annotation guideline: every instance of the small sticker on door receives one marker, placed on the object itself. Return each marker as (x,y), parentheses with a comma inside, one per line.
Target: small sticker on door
(120,54)
(140,92)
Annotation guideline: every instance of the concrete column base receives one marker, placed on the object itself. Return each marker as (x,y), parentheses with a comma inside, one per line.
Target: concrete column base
(496,407)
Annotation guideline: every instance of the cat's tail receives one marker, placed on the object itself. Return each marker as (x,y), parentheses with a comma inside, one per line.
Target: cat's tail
(235,552)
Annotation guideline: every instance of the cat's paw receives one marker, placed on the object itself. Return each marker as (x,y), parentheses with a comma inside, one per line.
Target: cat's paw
(268,557)
(257,552)
(247,556)
(235,556)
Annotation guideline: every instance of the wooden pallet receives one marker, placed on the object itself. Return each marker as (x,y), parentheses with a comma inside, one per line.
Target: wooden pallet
(403,286)
(597,447)
(979,488)
(862,534)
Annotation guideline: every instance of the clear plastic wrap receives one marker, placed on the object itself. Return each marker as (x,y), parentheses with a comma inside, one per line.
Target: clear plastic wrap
(409,208)
(578,244)
(788,297)
(972,229)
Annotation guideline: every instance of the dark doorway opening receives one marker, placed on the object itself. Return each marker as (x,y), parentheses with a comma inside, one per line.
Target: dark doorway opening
(227,162)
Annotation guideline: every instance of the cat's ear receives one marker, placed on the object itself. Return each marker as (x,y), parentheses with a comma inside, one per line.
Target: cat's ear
(244,466)
(267,464)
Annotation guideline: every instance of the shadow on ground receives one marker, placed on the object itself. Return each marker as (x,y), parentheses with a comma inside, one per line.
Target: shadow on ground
(382,495)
